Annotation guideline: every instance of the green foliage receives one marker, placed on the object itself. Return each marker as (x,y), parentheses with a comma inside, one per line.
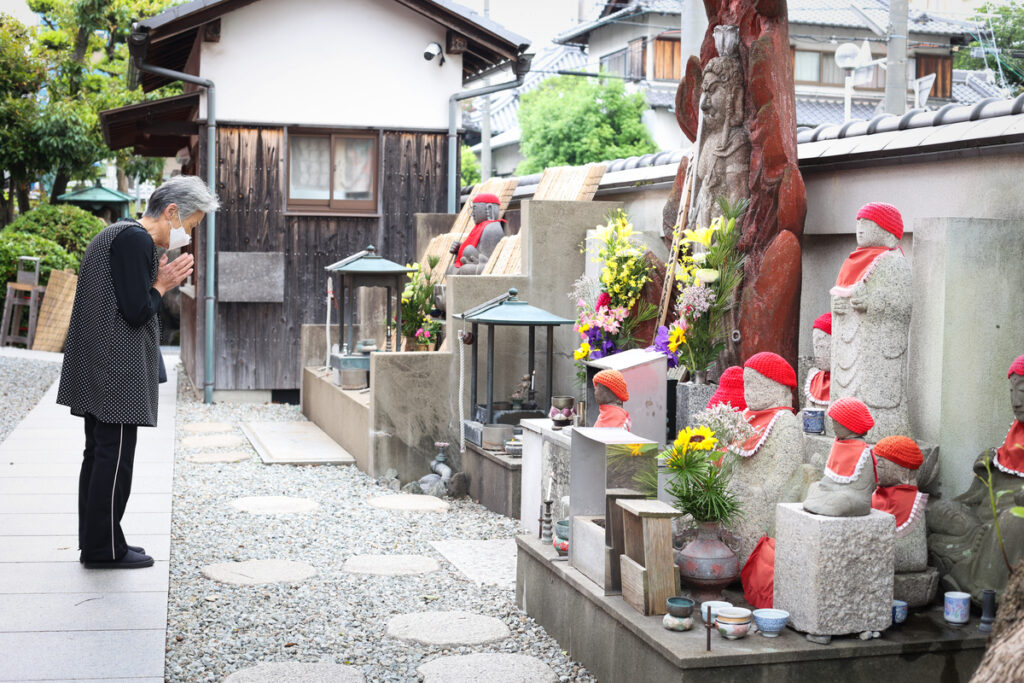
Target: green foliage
(570,120)
(1008,29)
(470,167)
(417,297)
(69,226)
(700,475)
(15,244)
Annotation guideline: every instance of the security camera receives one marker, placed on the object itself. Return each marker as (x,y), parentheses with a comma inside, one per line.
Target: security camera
(433,50)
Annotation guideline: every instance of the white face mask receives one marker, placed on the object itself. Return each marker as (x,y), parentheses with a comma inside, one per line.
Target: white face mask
(179,238)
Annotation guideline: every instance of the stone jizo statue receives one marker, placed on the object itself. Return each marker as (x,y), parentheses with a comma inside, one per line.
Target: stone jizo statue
(610,392)
(898,459)
(962,541)
(849,479)
(871,304)
(818,385)
(472,253)
(773,455)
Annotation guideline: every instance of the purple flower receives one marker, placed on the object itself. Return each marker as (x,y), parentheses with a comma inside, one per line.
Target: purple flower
(661,344)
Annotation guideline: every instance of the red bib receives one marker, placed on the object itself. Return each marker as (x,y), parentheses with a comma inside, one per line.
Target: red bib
(762,421)
(856,268)
(903,502)
(1010,456)
(473,239)
(847,459)
(613,416)
(819,384)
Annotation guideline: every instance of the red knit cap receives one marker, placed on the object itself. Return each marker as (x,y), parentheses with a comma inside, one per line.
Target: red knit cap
(773,366)
(901,450)
(730,389)
(852,414)
(886,216)
(1017,367)
(614,380)
(824,323)
(486,198)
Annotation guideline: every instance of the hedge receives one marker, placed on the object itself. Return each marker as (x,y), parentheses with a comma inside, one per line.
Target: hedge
(15,244)
(69,226)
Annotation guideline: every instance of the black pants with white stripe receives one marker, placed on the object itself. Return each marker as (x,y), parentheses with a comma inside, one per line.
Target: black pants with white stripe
(103,489)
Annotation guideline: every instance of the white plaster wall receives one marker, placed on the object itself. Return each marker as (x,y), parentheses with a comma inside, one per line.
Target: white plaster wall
(353,63)
(665,130)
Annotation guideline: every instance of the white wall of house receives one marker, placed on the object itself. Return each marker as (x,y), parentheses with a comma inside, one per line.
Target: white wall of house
(355,63)
(664,129)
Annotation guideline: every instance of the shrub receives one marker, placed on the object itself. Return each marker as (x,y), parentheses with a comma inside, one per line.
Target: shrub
(69,226)
(15,244)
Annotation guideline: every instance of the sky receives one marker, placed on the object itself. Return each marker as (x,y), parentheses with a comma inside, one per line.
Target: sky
(19,10)
(538,20)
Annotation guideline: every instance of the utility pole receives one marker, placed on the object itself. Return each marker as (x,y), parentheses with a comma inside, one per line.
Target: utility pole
(896,60)
(485,123)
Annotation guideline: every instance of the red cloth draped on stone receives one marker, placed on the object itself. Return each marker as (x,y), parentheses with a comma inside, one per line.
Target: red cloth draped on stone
(1010,456)
(613,416)
(904,502)
(819,384)
(846,460)
(762,421)
(856,268)
(758,575)
(473,239)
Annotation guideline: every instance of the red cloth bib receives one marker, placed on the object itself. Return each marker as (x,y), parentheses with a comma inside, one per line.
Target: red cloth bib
(856,268)
(473,239)
(819,384)
(762,421)
(846,460)
(1010,456)
(903,502)
(613,416)
(758,575)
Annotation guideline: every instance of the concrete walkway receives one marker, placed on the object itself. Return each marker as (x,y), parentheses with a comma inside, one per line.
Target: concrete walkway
(58,620)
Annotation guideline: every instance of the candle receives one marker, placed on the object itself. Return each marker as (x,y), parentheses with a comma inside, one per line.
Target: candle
(550,482)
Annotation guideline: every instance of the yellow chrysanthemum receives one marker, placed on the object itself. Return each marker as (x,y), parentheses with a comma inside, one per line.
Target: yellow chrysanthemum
(701,438)
(582,352)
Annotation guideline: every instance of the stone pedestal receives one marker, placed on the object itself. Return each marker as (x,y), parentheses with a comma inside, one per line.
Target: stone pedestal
(834,575)
(916,588)
(691,399)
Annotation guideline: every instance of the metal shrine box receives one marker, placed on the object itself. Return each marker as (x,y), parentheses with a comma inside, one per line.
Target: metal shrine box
(646,374)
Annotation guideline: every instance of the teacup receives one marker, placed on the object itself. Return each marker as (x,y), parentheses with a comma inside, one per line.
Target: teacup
(957,608)
(899,611)
(715,605)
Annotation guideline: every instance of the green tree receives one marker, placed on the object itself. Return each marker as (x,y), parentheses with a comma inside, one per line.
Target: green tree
(1008,31)
(571,120)
(470,167)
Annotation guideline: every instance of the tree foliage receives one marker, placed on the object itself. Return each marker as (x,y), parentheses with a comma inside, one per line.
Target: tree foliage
(570,120)
(69,226)
(1008,31)
(15,244)
(470,167)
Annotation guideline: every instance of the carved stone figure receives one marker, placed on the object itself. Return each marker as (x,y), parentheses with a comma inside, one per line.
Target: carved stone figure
(849,481)
(817,386)
(962,540)
(611,392)
(871,304)
(473,252)
(898,459)
(522,392)
(723,156)
(773,455)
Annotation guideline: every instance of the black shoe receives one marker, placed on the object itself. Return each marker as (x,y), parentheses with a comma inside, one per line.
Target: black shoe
(134,548)
(131,560)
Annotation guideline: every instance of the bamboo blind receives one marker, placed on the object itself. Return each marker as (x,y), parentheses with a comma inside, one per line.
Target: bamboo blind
(55,312)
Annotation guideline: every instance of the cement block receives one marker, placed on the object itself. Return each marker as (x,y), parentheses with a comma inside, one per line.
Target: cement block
(250,276)
(916,588)
(834,574)
(691,399)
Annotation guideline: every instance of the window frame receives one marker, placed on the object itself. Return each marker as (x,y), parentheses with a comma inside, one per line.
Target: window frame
(879,74)
(331,206)
(604,59)
(636,55)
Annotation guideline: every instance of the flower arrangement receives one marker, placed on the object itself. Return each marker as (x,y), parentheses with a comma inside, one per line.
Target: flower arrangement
(417,298)
(700,474)
(624,271)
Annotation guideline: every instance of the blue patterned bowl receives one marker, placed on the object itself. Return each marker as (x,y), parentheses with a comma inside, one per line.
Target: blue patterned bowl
(771,621)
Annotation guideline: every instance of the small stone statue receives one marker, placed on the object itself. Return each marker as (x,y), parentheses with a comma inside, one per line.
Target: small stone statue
(871,304)
(898,459)
(849,481)
(962,540)
(611,392)
(773,455)
(817,387)
(473,252)
(522,392)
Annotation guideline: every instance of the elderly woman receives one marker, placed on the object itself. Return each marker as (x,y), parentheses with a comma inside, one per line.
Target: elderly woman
(112,361)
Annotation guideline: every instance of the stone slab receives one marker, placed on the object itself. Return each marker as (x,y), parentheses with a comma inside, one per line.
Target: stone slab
(62,524)
(916,588)
(213,441)
(834,574)
(255,572)
(82,611)
(306,672)
(391,565)
(65,548)
(408,502)
(295,443)
(492,667)
(274,505)
(215,457)
(250,276)
(491,562)
(691,399)
(63,470)
(208,427)
(68,577)
(69,484)
(77,655)
(57,503)
(447,629)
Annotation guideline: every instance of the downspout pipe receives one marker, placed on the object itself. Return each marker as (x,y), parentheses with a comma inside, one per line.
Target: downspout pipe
(521,66)
(211,220)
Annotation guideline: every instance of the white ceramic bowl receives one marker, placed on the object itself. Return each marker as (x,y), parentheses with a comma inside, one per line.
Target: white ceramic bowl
(715,605)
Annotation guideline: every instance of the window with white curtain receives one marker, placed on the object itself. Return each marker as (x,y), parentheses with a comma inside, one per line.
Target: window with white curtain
(332,171)
(806,66)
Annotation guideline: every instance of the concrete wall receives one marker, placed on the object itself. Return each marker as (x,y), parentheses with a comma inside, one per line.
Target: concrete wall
(429,226)
(343,415)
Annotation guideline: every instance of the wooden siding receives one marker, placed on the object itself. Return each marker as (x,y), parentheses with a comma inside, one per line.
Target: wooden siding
(257,344)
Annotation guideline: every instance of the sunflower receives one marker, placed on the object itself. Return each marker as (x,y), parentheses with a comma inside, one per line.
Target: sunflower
(682,441)
(701,438)
(676,338)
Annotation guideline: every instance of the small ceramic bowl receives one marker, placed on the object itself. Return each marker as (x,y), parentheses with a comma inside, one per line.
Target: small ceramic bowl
(562,529)
(732,631)
(715,605)
(679,607)
(771,621)
(733,615)
(899,611)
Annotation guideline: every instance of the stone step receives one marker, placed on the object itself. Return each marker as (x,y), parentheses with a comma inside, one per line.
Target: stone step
(295,443)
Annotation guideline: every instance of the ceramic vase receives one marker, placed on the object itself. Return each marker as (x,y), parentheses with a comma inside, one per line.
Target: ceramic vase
(706,564)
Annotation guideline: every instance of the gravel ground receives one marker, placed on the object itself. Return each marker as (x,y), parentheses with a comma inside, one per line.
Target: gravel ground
(22,383)
(215,629)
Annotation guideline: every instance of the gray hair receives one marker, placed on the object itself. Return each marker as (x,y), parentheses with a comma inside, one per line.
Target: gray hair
(189,192)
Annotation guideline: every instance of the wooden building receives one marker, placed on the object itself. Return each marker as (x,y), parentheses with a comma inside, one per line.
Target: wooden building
(331,135)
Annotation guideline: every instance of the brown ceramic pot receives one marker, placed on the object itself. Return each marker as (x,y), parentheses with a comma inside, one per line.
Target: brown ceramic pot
(706,565)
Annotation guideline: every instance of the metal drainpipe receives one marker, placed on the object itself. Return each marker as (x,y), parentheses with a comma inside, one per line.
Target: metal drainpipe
(211,220)
(521,67)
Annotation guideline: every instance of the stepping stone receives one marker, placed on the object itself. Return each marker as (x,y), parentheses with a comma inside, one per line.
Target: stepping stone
(297,672)
(391,565)
(213,441)
(447,629)
(208,427)
(295,443)
(492,667)
(274,505)
(409,502)
(491,562)
(253,572)
(221,456)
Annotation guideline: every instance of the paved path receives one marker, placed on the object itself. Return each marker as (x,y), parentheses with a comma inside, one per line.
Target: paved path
(58,620)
